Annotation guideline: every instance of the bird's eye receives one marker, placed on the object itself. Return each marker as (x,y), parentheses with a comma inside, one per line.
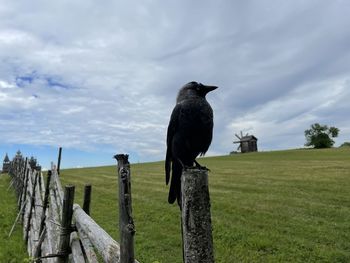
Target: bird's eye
(199,86)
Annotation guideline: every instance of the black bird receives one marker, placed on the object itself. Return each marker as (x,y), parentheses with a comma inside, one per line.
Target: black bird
(190,132)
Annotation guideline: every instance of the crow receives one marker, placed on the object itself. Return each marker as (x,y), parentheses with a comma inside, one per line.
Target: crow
(189,134)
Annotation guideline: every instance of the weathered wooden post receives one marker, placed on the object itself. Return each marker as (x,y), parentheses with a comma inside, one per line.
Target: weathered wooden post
(126,222)
(66,224)
(196,220)
(87,198)
(59,160)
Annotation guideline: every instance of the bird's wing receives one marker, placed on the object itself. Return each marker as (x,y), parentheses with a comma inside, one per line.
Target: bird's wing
(172,128)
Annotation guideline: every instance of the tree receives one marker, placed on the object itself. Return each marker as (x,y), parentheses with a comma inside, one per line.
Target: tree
(345,144)
(319,136)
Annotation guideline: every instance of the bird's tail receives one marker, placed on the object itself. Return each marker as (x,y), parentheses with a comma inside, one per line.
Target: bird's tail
(175,185)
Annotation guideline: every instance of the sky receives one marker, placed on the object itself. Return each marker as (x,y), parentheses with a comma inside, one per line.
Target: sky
(101,78)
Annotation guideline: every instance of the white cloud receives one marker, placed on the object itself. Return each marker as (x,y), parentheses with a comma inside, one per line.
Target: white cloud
(105,76)
(6,85)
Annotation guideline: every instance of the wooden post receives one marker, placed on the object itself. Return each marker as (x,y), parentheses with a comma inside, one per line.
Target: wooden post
(65,231)
(87,198)
(59,160)
(196,221)
(126,222)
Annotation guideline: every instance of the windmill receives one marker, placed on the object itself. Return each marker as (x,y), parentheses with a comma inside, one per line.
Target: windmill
(247,143)
(240,140)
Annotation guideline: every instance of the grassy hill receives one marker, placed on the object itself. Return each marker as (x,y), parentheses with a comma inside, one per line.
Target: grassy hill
(282,206)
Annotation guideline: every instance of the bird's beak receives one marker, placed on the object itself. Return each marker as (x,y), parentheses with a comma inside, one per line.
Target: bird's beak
(209,88)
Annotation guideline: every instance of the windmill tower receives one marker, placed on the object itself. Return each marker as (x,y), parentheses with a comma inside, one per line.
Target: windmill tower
(247,143)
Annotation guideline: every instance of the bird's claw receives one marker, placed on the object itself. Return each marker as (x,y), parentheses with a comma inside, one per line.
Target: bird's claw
(200,167)
(197,166)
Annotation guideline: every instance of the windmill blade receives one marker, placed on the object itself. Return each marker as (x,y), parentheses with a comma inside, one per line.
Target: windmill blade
(237,142)
(246,134)
(239,147)
(241,134)
(237,136)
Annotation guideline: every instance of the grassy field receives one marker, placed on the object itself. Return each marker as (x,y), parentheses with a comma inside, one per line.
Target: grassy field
(12,248)
(282,206)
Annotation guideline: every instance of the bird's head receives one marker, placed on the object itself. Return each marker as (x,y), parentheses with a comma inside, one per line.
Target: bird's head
(194,89)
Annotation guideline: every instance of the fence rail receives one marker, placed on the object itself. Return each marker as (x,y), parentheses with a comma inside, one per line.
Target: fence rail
(54,228)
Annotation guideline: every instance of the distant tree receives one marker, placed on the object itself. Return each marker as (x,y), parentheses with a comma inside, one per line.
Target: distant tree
(320,136)
(345,144)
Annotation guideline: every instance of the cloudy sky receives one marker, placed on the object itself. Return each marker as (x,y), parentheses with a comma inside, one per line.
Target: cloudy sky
(100,78)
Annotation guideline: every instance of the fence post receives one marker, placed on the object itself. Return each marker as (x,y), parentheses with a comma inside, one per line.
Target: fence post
(87,198)
(126,222)
(59,160)
(66,224)
(196,220)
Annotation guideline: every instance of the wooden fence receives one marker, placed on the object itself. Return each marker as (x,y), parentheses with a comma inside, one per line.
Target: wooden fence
(57,230)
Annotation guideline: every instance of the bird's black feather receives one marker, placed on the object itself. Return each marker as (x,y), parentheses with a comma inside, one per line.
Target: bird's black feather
(189,133)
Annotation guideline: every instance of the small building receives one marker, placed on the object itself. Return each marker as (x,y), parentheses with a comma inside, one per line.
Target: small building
(34,165)
(18,158)
(247,143)
(6,164)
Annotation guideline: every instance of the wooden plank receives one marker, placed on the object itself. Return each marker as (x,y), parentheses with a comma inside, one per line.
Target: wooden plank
(22,193)
(25,196)
(88,247)
(54,221)
(56,185)
(77,253)
(51,235)
(30,208)
(42,219)
(40,244)
(103,242)
(37,214)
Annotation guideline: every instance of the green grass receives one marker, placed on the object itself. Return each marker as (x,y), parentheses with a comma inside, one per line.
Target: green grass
(12,248)
(283,206)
